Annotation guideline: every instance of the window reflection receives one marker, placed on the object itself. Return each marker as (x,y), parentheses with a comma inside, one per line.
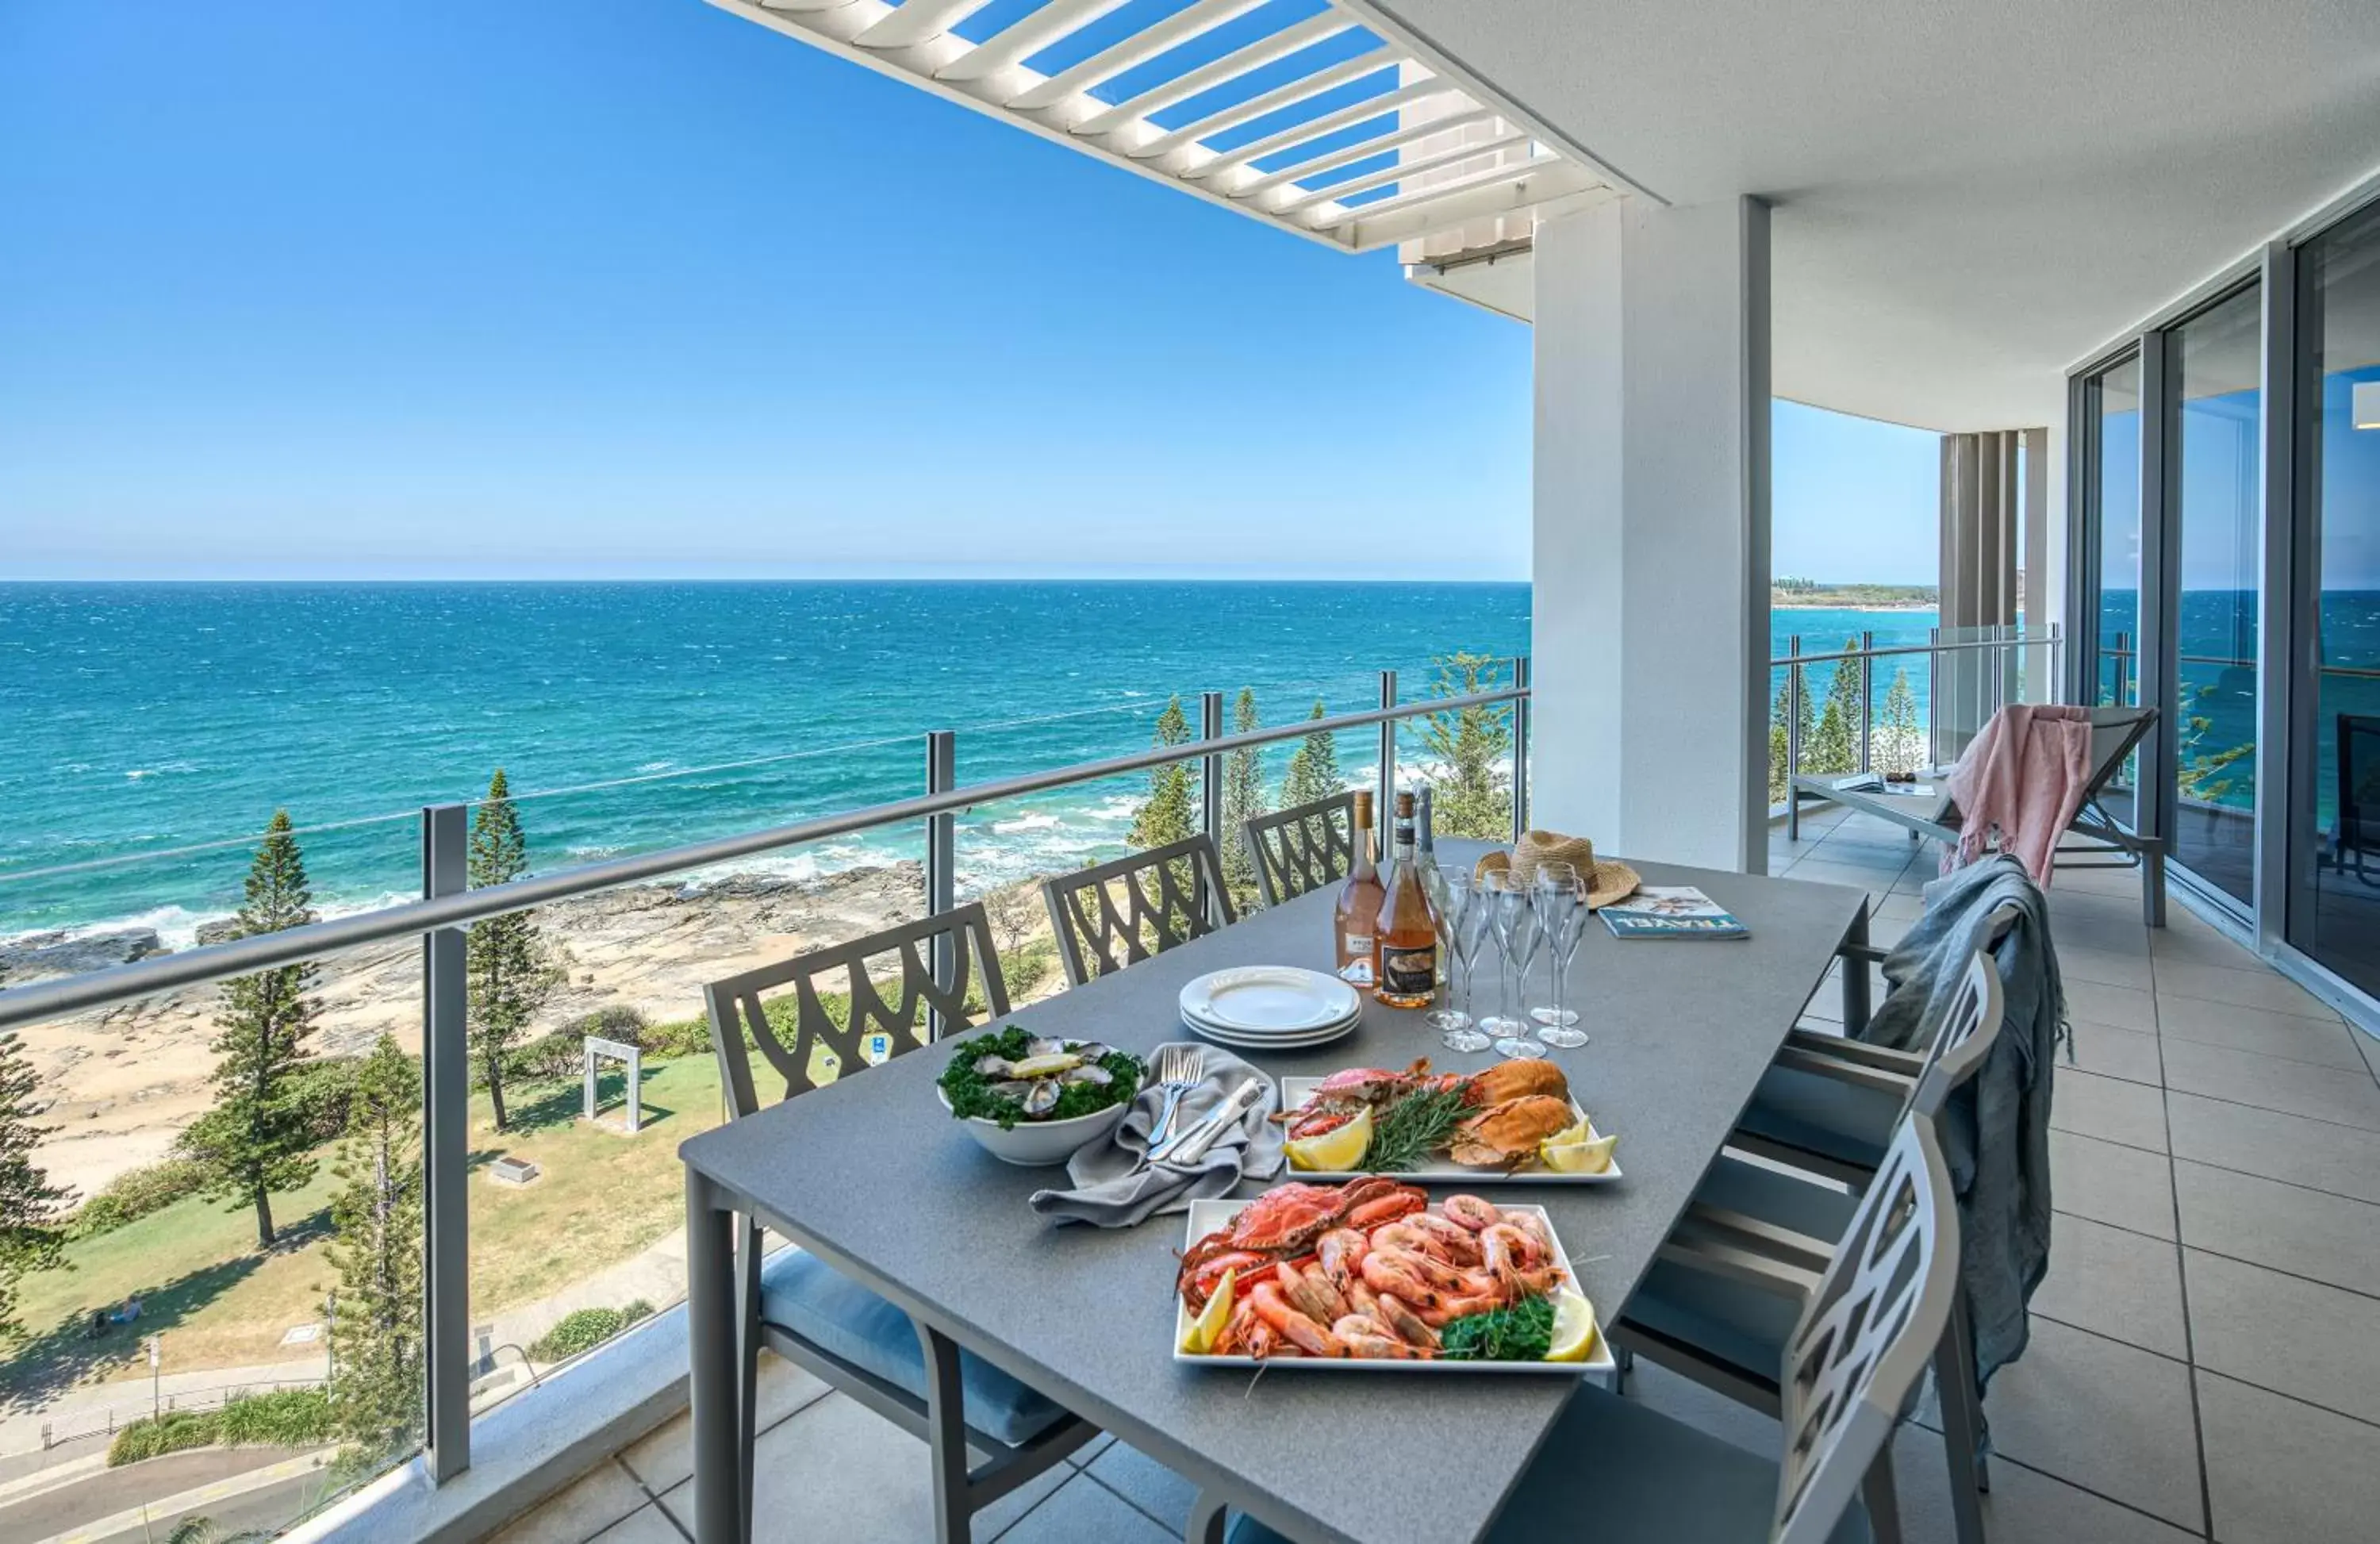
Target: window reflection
(2117,494)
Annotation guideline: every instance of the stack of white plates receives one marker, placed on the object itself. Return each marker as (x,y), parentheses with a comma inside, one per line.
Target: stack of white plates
(1271,1007)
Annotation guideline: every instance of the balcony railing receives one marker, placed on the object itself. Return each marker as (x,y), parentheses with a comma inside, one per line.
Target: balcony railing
(456,1351)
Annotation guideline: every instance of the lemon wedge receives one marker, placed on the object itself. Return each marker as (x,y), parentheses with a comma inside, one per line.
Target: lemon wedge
(1046,1066)
(1579,1155)
(1338,1152)
(1574,1332)
(1208,1326)
(1570,1136)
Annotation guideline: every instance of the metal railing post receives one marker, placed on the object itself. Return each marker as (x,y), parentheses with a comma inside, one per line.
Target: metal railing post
(445,1154)
(941,862)
(1386,803)
(2123,666)
(1520,749)
(1792,736)
(1932,694)
(1210,792)
(1867,700)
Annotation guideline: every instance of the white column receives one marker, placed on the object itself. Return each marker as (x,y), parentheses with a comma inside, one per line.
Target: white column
(1650,647)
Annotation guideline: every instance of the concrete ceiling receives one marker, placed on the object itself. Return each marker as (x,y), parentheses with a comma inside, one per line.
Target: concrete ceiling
(1969,197)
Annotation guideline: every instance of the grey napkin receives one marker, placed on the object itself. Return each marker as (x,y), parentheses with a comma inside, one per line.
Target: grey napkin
(1113,1188)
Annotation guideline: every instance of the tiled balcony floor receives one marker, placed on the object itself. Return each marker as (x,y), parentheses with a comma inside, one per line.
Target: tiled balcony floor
(2206,1357)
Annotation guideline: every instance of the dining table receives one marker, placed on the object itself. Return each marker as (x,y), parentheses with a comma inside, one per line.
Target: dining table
(872,1175)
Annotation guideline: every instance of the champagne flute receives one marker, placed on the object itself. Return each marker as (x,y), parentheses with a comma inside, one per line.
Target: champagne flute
(1517,938)
(1562,908)
(1464,923)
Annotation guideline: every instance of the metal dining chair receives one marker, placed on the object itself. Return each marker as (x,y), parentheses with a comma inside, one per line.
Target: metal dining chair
(1712,1311)
(1303,847)
(1116,914)
(800,1307)
(1619,1472)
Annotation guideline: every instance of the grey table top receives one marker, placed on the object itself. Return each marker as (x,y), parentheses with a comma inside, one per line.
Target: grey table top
(870,1174)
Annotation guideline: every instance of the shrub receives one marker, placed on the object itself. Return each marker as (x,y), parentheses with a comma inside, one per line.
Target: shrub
(323,1092)
(285,1418)
(136,1193)
(682,1037)
(584,1329)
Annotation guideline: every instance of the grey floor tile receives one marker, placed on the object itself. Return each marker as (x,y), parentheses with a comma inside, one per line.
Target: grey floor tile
(2106,1416)
(2253,988)
(2198,946)
(2304,1233)
(2109,1109)
(2284,1473)
(2124,1007)
(665,1456)
(1089,1453)
(1147,1484)
(2130,1054)
(1819,872)
(2288,1036)
(1900,908)
(2298,1338)
(1081,1512)
(2126,1286)
(1708,1411)
(2269,1083)
(2081,963)
(2023,1507)
(2107,1182)
(2312,1153)
(2083,904)
(647,1524)
(603,1496)
(2108,935)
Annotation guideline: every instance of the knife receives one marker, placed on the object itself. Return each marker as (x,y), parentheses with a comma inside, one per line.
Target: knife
(1192,1145)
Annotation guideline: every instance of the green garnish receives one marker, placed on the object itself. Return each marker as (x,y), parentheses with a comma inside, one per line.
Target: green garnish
(972,1097)
(1407,1132)
(1523,1333)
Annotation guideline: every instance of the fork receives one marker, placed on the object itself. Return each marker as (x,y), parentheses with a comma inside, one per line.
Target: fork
(1179,1067)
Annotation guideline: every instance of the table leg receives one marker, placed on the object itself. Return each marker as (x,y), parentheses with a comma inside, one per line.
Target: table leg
(719,1455)
(1856,983)
(1208,1515)
(946,1436)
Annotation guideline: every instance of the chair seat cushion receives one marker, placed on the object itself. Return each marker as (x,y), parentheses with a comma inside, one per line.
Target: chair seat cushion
(1617,1472)
(802,1293)
(1822,1114)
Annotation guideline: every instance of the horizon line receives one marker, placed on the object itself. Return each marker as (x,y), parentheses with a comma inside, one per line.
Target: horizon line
(1144,577)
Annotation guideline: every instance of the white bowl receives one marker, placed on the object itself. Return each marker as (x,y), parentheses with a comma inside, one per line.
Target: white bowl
(1033,1144)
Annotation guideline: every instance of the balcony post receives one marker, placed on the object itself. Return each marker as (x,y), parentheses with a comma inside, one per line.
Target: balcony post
(1210,792)
(445,1154)
(1385,805)
(1867,700)
(1520,749)
(941,862)
(1792,736)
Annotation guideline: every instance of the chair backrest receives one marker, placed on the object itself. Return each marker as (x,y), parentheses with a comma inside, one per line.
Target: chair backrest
(1116,914)
(1863,1341)
(807,1048)
(1302,849)
(2114,733)
(1970,1026)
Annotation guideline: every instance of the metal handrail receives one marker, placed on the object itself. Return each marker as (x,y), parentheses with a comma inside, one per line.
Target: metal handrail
(2038,639)
(47,1000)
(2353,672)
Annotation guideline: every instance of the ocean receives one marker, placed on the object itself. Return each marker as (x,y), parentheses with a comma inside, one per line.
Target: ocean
(152,729)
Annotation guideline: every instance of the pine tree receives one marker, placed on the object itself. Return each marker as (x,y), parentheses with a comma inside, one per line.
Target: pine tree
(1313,768)
(1833,745)
(1899,744)
(1470,744)
(255,1140)
(375,1313)
(1243,796)
(1171,812)
(510,971)
(30,1238)
(1777,747)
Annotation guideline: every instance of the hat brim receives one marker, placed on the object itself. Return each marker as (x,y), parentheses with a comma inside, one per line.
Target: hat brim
(1613,881)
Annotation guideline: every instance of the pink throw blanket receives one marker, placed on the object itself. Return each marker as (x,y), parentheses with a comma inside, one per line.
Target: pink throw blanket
(2022,778)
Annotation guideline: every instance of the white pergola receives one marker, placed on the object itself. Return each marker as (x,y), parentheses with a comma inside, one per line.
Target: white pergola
(1325,127)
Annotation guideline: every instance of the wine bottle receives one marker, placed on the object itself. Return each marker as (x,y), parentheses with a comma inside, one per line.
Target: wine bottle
(1407,928)
(1433,880)
(1359,902)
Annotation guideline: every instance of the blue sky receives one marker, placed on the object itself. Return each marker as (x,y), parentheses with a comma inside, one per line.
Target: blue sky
(633,287)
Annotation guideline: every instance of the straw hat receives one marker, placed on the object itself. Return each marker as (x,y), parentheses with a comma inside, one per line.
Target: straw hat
(1607,881)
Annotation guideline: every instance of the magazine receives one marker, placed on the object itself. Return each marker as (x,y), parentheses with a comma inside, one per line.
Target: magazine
(1670,911)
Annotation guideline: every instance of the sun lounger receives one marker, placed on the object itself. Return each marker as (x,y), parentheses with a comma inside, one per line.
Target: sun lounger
(2115,732)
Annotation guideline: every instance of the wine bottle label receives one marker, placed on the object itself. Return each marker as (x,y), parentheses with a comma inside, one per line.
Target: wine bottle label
(1358,971)
(1410,972)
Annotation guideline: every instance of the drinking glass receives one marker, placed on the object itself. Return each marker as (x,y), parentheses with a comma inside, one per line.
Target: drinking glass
(1517,938)
(1464,925)
(1563,914)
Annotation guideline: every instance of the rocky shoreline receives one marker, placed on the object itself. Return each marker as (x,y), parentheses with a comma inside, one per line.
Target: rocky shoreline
(124,1082)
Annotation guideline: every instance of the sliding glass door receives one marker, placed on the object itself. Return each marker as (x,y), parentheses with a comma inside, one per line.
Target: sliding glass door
(2334,819)
(2111,489)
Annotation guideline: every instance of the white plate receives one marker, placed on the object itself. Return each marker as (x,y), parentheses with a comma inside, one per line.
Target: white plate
(1269,1000)
(1295,1092)
(1271,1042)
(1207,1216)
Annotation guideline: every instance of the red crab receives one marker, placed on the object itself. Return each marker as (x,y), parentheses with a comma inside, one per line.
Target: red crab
(1343,1095)
(1285,1222)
